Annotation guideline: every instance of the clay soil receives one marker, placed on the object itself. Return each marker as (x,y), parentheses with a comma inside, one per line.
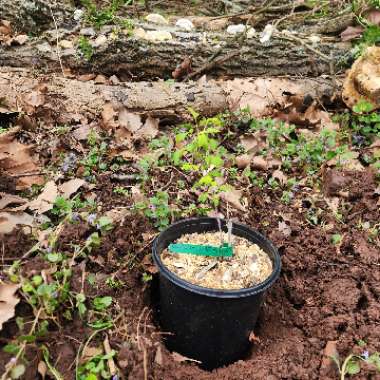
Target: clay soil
(326,293)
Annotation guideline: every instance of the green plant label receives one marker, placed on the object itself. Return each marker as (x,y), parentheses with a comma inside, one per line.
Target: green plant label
(225,250)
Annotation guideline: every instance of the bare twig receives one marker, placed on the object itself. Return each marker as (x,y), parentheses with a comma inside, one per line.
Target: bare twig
(14,362)
(58,50)
(110,361)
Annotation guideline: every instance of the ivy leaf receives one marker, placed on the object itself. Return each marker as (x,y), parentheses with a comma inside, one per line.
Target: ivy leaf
(18,371)
(353,367)
(362,106)
(101,303)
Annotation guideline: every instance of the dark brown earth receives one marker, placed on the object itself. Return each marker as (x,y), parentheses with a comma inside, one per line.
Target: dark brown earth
(326,293)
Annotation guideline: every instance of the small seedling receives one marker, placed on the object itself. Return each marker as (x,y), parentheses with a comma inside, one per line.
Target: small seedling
(85,48)
(336,239)
(102,303)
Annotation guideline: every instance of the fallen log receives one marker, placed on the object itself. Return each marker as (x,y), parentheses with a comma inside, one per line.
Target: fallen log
(218,54)
(67,101)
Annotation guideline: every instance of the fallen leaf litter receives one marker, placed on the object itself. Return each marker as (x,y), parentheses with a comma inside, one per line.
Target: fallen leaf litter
(249,266)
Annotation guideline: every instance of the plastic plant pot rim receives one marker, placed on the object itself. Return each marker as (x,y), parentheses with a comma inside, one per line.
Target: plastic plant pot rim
(219,293)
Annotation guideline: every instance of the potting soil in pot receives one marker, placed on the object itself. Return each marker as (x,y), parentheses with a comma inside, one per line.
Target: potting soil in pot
(248,266)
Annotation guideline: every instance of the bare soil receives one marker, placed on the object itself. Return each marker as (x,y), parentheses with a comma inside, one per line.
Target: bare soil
(325,294)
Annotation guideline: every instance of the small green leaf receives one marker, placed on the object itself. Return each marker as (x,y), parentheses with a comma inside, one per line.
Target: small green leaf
(54,257)
(17,371)
(353,367)
(336,239)
(375,360)
(362,106)
(101,303)
(26,338)
(37,280)
(11,349)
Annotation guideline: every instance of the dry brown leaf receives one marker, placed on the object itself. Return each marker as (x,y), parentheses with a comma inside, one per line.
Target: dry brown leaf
(180,358)
(351,32)
(129,120)
(137,195)
(20,39)
(232,197)
(44,202)
(34,99)
(70,187)
(158,359)
(260,95)
(149,129)
(117,214)
(86,77)
(42,369)
(8,302)
(249,142)
(108,116)
(329,351)
(82,132)
(9,199)
(284,229)
(10,220)
(5,28)
(17,160)
(90,352)
(259,162)
(100,79)
(373,16)
(244,160)
(280,176)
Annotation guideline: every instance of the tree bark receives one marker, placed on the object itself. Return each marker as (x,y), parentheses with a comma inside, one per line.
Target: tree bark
(32,16)
(217,54)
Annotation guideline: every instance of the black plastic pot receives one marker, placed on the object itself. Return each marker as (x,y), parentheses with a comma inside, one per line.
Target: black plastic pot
(209,325)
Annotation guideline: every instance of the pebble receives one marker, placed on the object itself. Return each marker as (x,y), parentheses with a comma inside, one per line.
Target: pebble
(44,47)
(78,14)
(314,39)
(236,29)
(251,33)
(139,33)
(99,41)
(158,35)
(89,32)
(66,44)
(266,34)
(185,24)
(156,19)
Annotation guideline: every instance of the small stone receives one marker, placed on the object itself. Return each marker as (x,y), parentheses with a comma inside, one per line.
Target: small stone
(44,47)
(66,44)
(156,19)
(236,29)
(139,33)
(314,39)
(185,24)
(227,276)
(251,33)
(86,77)
(266,34)
(99,41)
(100,79)
(106,29)
(158,36)
(21,39)
(78,14)
(114,79)
(89,32)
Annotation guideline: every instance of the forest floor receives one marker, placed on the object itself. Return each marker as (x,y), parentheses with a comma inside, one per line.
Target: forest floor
(82,198)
